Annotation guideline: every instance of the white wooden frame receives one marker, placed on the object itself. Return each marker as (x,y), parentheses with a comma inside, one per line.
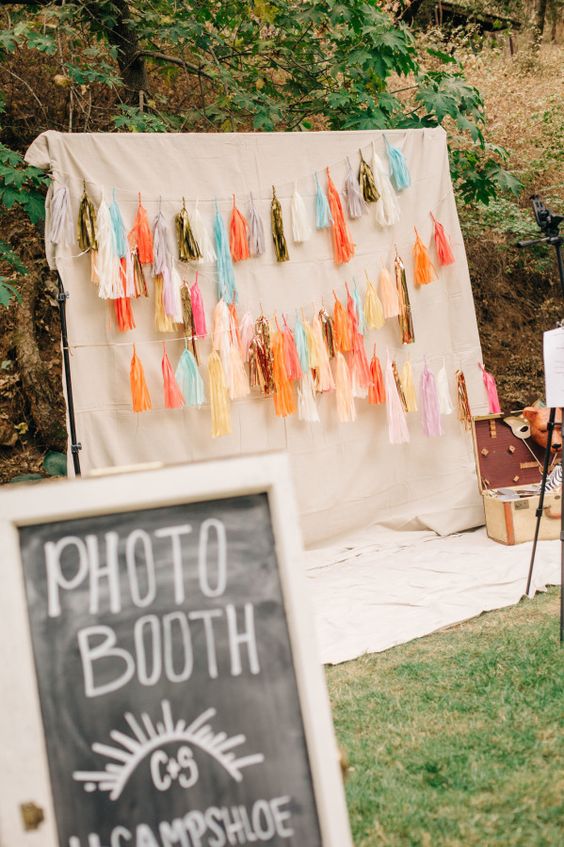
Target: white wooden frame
(24,774)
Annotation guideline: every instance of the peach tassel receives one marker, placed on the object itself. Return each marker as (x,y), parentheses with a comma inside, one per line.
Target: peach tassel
(140,397)
(343,246)
(140,238)
(219,401)
(238,235)
(376,389)
(284,398)
(342,335)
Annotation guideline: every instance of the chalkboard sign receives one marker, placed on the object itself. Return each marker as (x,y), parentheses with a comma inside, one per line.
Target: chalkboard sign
(171,707)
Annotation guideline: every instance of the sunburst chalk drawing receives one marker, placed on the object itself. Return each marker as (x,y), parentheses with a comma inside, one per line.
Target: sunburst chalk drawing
(149,739)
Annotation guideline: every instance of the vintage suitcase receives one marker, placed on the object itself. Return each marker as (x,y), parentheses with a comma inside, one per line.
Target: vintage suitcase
(505,461)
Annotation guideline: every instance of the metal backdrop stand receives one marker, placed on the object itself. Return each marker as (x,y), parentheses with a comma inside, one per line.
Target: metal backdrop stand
(76,446)
(550,226)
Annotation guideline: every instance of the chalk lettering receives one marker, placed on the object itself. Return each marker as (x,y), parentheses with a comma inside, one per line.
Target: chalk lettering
(109,572)
(207,617)
(55,577)
(151,653)
(185,642)
(131,558)
(203,563)
(106,649)
(237,638)
(174,533)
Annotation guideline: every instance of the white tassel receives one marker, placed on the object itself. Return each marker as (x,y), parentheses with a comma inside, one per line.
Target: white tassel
(301,229)
(176,286)
(107,263)
(203,237)
(307,407)
(387,208)
(60,218)
(358,391)
(443,391)
(129,278)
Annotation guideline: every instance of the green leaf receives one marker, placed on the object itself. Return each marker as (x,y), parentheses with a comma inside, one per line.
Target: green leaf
(26,477)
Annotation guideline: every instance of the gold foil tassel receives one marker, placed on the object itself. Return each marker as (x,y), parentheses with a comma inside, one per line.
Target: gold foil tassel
(367,183)
(188,247)
(86,223)
(405,318)
(278,237)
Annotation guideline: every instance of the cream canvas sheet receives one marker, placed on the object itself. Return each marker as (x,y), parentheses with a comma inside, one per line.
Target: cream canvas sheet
(347,475)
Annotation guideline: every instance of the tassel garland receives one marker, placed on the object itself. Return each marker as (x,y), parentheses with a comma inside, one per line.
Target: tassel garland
(256,230)
(430,412)
(491,390)
(370,192)
(463,403)
(346,409)
(219,400)
(424,272)
(388,295)
(353,194)
(280,246)
(226,287)
(140,397)
(86,223)
(238,235)
(343,247)
(323,217)
(387,209)
(399,173)
(398,432)
(442,244)
(405,318)
(189,379)
(301,229)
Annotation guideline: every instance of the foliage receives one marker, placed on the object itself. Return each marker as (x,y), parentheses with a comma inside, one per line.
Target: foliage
(454,739)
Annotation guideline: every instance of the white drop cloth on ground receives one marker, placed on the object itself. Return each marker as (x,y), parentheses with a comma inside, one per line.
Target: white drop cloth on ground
(381,588)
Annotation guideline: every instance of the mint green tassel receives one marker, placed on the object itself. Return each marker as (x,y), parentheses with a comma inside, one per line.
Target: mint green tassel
(399,172)
(300,338)
(189,380)
(359,310)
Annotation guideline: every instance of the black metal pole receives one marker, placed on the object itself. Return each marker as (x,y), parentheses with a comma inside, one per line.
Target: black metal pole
(62,298)
(550,429)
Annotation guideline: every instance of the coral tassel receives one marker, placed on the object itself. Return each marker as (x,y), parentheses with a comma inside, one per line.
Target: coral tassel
(293,367)
(491,389)
(346,409)
(430,412)
(423,270)
(442,244)
(343,247)
(173,398)
(140,397)
(388,295)
(342,334)
(219,401)
(238,235)
(140,238)
(376,389)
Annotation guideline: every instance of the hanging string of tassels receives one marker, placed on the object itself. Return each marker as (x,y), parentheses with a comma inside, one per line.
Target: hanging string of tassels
(463,403)
(399,172)
(238,235)
(491,390)
(343,247)
(442,244)
(430,409)
(277,223)
(405,318)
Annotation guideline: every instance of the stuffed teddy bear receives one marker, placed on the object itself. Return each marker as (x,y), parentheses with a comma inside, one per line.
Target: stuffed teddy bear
(538,420)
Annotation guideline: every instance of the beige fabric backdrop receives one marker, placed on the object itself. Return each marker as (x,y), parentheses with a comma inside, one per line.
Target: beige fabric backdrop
(347,475)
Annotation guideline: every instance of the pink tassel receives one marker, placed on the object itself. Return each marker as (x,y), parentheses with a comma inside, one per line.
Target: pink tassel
(442,244)
(429,401)
(346,409)
(398,432)
(199,315)
(491,389)
(173,396)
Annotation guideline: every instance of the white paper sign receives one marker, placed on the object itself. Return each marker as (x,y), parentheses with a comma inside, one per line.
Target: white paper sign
(554,367)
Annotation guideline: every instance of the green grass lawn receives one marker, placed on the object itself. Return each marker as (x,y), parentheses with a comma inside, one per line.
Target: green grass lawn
(456,739)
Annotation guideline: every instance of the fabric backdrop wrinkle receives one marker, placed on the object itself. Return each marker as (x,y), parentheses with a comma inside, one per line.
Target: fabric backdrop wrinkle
(346,475)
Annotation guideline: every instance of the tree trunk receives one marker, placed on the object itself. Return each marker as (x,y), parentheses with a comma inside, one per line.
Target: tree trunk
(131,63)
(541,16)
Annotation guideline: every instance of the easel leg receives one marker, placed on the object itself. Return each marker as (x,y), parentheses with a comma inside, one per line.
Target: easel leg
(62,297)
(550,429)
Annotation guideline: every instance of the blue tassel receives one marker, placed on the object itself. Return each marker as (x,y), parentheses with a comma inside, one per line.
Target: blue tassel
(359,310)
(323,216)
(300,338)
(399,173)
(189,380)
(226,287)
(118,227)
